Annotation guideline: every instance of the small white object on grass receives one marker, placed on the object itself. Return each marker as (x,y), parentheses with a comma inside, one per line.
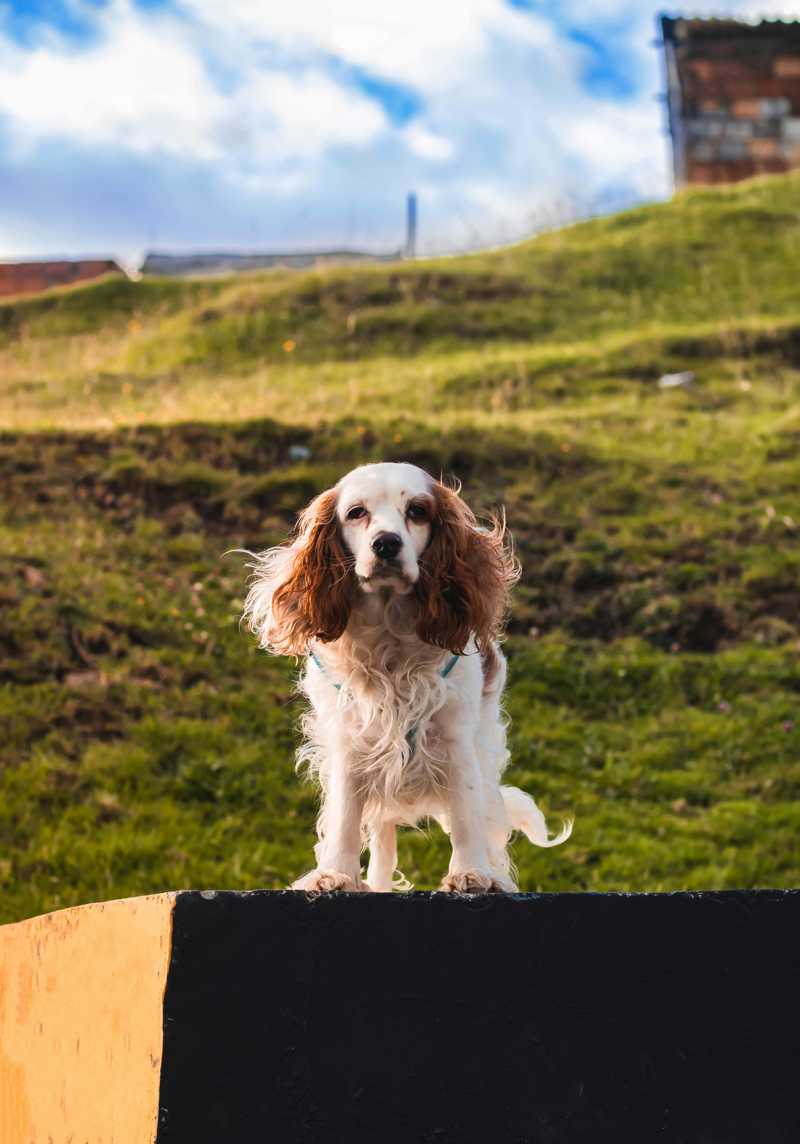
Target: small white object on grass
(673,380)
(299,453)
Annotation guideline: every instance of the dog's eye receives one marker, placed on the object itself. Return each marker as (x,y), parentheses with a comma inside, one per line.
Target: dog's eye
(356,512)
(417,512)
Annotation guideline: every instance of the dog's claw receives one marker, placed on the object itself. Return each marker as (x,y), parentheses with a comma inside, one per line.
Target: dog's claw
(474,882)
(327,882)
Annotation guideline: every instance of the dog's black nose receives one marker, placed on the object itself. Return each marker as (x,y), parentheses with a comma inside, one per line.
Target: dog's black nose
(386,545)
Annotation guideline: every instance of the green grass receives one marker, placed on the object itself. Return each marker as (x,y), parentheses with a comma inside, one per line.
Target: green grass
(147,429)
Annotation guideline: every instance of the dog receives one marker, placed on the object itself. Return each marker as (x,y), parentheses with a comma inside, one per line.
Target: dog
(395,597)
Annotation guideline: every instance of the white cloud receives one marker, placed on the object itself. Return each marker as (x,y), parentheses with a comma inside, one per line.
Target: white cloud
(742,9)
(288,116)
(141,86)
(427,144)
(426,43)
(618,144)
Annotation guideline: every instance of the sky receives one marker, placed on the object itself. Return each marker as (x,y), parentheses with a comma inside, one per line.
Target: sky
(132,125)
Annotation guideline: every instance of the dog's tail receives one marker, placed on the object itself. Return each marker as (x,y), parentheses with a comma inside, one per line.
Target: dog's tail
(524,814)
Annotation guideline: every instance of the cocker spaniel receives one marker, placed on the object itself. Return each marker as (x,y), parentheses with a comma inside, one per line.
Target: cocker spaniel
(395,597)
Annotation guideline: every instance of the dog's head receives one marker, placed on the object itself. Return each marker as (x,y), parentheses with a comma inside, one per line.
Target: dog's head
(391,529)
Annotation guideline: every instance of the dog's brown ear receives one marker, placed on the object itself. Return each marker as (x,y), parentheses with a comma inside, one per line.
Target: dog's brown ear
(465,576)
(314,597)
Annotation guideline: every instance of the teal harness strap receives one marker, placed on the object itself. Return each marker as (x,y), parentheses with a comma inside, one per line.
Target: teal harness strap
(313,655)
(448,667)
(411,737)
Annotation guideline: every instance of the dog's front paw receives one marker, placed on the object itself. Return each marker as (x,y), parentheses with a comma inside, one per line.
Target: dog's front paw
(476,882)
(326,881)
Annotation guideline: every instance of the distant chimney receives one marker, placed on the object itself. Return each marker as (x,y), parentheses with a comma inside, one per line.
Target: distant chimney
(411,225)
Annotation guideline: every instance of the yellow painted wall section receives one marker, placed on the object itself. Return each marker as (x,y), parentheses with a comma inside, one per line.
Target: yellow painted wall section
(81,1016)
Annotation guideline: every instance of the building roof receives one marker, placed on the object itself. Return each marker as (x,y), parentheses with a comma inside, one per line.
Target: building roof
(678,29)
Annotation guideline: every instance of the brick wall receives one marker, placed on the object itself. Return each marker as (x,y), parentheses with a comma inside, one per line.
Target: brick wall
(30,277)
(733,97)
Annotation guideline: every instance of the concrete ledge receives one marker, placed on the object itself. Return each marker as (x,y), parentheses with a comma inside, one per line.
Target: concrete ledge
(503,1020)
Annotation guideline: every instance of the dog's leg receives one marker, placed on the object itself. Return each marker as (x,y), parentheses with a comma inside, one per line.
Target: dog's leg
(382,857)
(470,866)
(498,831)
(338,851)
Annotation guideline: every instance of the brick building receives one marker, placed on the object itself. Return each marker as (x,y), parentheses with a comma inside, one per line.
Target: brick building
(733,94)
(31,277)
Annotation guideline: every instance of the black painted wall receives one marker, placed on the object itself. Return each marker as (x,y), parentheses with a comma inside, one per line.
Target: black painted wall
(549,1019)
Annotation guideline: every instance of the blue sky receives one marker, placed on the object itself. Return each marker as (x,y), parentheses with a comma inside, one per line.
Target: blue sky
(128,125)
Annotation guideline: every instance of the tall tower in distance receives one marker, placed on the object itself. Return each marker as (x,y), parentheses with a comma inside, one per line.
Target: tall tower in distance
(733,95)
(410,249)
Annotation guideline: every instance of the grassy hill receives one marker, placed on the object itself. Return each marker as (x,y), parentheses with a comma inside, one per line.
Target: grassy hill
(148,428)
